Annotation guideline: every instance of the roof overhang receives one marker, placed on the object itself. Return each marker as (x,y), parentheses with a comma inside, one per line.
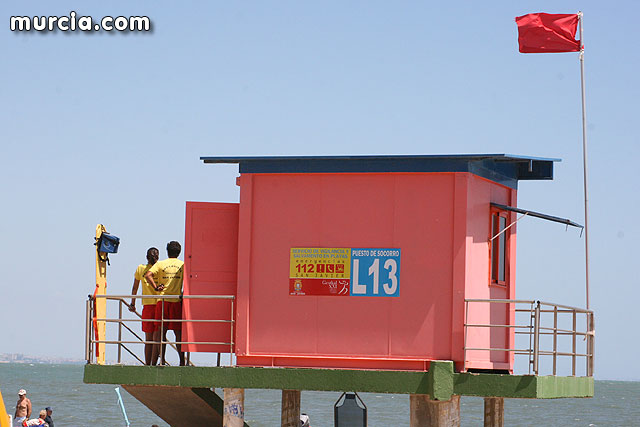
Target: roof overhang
(505,169)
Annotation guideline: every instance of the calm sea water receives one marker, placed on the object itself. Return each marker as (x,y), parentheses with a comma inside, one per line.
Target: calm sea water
(617,403)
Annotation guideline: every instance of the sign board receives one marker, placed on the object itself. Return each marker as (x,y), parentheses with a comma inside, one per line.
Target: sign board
(369,272)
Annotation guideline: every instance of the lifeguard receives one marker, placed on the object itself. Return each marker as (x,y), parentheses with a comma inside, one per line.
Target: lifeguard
(148,304)
(169,273)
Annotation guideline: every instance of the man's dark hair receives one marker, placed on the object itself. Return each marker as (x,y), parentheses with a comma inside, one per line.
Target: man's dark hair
(173,249)
(152,255)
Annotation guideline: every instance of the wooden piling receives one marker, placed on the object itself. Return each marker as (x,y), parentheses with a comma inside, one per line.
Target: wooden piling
(290,408)
(493,412)
(233,407)
(434,413)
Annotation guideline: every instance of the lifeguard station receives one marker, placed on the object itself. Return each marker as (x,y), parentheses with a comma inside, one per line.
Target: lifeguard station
(387,274)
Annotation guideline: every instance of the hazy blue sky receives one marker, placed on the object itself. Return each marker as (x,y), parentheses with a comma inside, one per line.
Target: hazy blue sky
(108,128)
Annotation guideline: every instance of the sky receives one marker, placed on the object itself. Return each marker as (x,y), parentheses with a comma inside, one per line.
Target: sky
(109,127)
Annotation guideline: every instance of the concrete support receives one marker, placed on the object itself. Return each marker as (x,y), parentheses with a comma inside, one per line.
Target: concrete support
(493,412)
(434,413)
(290,408)
(233,407)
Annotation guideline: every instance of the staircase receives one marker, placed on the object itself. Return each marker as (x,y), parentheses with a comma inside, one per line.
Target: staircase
(181,406)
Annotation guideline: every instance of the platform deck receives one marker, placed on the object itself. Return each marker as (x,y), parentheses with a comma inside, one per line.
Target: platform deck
(440,382)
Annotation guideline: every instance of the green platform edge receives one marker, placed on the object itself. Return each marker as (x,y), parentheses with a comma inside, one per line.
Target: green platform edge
(440,382)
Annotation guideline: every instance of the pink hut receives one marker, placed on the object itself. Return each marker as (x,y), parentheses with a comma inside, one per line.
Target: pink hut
(359,262)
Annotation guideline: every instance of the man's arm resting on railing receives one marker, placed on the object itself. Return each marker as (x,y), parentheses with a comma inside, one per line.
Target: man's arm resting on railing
(134,290)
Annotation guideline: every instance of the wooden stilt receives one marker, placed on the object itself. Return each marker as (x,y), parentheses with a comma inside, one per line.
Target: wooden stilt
(233,407)
(434,413)
(494,412)
(290,408)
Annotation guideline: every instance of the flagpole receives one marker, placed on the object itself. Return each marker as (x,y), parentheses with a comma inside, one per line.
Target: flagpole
(584,160)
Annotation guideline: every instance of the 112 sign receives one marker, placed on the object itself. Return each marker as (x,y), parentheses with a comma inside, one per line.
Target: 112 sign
(375,272)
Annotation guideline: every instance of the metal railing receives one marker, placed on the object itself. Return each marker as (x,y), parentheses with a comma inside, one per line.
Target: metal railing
(124,324)
(542,320)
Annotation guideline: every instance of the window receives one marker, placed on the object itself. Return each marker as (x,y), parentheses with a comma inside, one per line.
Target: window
(498,247)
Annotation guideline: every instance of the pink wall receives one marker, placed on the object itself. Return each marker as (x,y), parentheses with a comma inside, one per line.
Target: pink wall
(481,193)
(444,259)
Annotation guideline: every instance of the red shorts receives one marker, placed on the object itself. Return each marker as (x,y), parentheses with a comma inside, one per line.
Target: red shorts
(172,310)
(148,312)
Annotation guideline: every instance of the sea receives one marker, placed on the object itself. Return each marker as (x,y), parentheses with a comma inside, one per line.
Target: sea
(616,403)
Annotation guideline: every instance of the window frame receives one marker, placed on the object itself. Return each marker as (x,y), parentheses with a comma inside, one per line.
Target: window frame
(496,245)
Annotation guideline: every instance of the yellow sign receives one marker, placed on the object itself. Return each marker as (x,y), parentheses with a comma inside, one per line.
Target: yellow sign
(320,263)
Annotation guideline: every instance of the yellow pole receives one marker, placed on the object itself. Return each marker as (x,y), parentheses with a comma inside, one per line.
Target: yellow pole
(4,417)
(100,303)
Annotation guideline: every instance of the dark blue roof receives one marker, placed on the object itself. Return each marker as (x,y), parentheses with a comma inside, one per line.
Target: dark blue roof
(504,169)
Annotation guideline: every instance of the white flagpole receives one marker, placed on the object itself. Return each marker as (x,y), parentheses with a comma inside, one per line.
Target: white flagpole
(584,160)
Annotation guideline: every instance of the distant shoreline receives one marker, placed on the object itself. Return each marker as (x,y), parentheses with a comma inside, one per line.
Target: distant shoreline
(26,359)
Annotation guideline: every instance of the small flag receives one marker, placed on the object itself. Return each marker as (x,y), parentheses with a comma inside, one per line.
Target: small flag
(546,32)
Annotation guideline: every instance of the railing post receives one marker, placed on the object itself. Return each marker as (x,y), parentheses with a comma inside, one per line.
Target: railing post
(573,355)
(531,328)
(590,344)
(511,333)
(555,337)
(119,331)
(536,338)
(232,322)
(464,349)
(162,344)
(87,338)
(92,309)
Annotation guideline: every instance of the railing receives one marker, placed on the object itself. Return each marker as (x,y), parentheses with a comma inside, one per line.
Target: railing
(123,324)
(543,320)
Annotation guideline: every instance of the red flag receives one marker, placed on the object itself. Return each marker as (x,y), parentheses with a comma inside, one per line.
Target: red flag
(546,32)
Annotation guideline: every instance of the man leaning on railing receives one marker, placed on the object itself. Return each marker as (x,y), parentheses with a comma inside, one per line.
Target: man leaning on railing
(148,304)
(169,273)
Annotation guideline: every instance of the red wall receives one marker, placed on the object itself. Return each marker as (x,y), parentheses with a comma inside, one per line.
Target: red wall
(444,259)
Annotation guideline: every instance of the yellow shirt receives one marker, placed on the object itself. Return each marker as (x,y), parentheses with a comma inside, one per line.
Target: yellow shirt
(146,286)
(169,272)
